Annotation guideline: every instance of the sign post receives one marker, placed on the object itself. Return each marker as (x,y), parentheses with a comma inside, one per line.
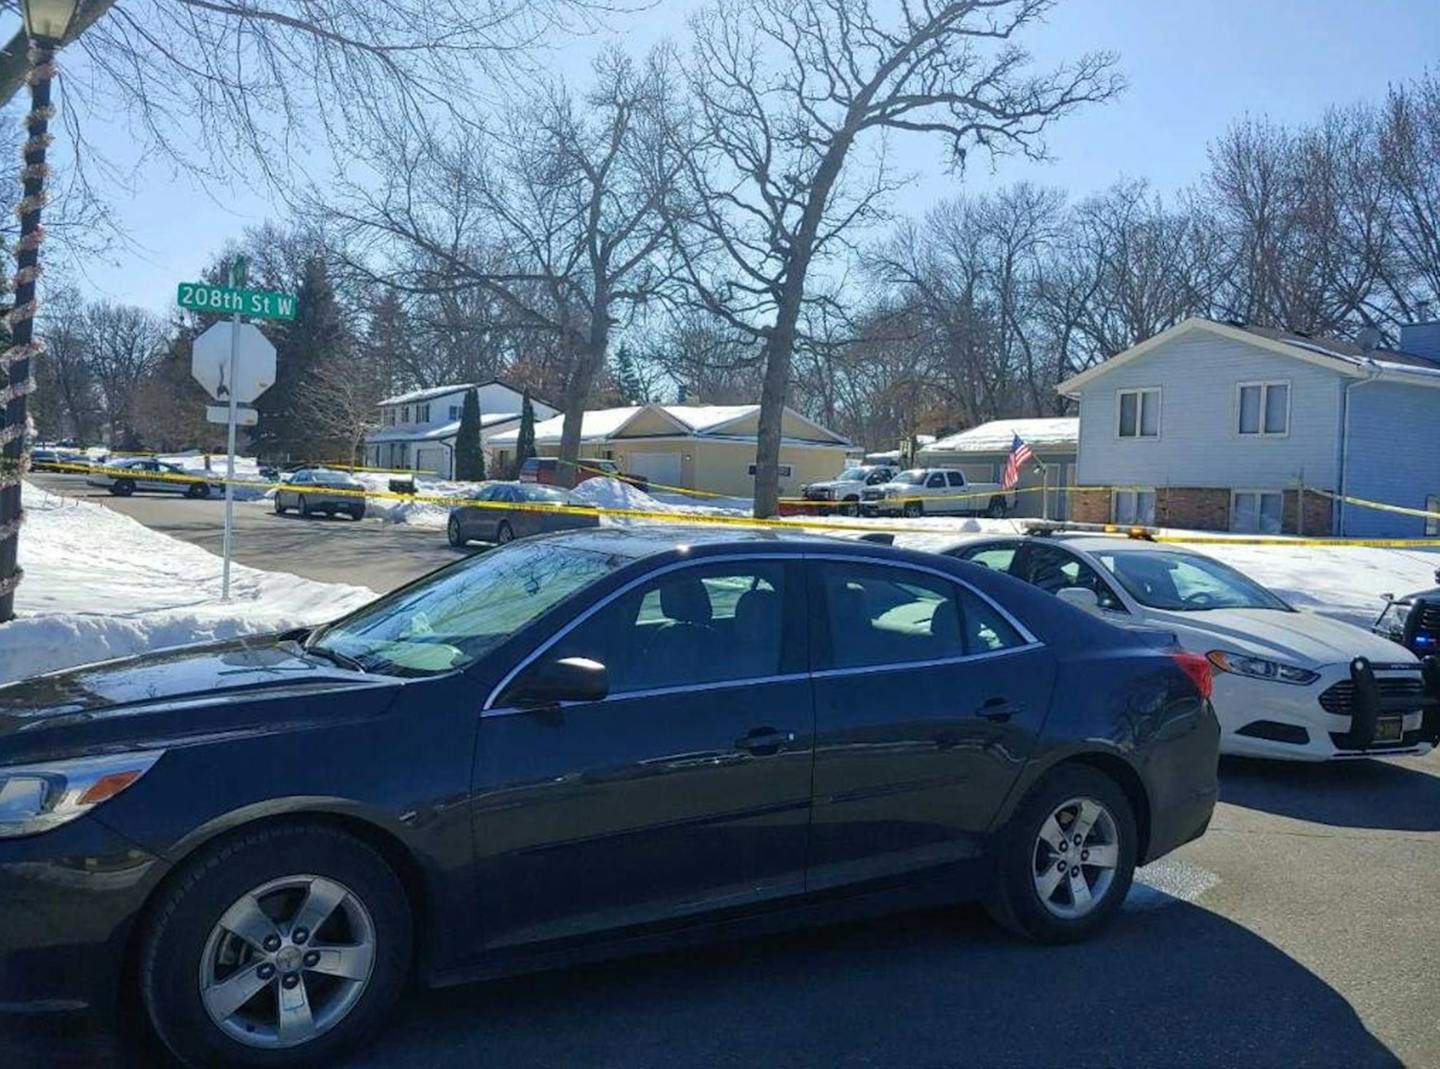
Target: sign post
(236,364)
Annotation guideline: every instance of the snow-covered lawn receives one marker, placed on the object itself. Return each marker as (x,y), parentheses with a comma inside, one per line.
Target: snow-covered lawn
(99,584)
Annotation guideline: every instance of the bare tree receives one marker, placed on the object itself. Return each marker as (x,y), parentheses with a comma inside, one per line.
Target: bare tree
(555,218)
(125,345)
(1409,150)
(339,402)
(789,93)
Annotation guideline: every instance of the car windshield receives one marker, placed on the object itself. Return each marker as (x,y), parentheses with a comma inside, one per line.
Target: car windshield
(913,477)
(331,478)
(852,475)
(1185,582)
(452,618)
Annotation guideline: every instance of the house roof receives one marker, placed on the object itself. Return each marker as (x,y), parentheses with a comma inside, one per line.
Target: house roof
(1334,353)
(997,435)
(708,421)
(432,392)
(410,432)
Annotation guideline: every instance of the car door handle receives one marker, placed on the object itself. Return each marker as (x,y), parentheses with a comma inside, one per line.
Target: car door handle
(764,740)
(999,709)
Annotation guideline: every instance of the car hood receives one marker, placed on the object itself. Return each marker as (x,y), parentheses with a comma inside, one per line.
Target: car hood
(838,484)
(168,693)
(1304,639)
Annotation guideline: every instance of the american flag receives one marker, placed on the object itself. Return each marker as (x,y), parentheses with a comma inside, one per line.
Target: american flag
(1020,455)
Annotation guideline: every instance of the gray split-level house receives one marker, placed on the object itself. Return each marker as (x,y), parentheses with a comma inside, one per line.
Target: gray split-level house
(1226,426)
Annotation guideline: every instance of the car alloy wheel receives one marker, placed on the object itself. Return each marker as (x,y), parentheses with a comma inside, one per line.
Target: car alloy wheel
(452,532)
(503,533)
(287,961)
(1075,857)
(303,506)
(279,508)
(912,509)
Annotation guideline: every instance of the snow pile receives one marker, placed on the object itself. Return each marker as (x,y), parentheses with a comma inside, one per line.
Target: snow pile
(99,584)
(998,435)
(607,493)
(418,513)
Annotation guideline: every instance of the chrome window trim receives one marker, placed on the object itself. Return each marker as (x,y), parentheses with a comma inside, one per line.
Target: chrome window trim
(657,692)
(933,662)
(619,592)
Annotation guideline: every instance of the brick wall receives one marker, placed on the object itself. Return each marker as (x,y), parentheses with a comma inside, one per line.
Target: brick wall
(1202,509)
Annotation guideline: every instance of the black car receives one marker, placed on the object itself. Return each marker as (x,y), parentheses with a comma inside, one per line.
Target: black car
(506,511)
(575,746)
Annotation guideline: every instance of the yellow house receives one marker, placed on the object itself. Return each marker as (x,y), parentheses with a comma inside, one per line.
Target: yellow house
(694,447)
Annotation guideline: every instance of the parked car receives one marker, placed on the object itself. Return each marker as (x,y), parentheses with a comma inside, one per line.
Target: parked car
(1288,684)
(57,460)
(848,485)
(124,477)
(1413,620)
(546,471)
(935,491)
(575,745)
(321,490)
(534,510)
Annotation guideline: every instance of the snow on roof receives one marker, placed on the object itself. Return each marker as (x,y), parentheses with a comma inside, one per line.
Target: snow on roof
(997,435)
(428,394)
(607,422)
(410,432)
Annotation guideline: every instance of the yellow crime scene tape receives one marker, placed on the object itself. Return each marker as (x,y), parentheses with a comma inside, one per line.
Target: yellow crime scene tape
(1153,534)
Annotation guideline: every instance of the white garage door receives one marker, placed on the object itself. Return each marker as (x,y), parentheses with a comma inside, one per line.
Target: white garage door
(433,458)
(657,467)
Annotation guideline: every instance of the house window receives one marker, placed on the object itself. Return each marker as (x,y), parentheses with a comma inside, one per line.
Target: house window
(1264,408)
(1257,511)
(422,413)
(390,417)
(1139,413)
(454,412)
(1135,506)
(1432,524)
(785,470)
(405,415)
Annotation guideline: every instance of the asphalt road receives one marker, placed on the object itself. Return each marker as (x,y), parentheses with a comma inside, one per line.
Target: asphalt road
(368,553)
(1302,930)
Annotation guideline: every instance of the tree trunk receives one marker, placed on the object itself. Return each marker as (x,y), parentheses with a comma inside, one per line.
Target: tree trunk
(779,348)
(586,365)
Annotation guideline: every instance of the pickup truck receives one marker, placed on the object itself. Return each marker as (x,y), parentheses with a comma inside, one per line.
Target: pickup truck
(848,485)
(934,492)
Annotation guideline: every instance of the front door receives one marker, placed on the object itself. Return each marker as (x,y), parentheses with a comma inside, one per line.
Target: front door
(686,790)
(928,699)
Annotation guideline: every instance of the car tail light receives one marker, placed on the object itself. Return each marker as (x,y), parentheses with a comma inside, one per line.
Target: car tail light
(1198,669)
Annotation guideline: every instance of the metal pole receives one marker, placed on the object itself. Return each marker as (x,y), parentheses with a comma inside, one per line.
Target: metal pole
(15,382)
(230,449)
(1044,490)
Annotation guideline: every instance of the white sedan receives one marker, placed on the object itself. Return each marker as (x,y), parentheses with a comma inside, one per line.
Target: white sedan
(1288,684)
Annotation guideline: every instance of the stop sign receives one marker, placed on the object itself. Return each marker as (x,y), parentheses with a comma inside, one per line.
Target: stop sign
(254,362)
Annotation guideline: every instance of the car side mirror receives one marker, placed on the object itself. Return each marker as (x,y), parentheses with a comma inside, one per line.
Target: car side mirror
(569,679)
(1082,597)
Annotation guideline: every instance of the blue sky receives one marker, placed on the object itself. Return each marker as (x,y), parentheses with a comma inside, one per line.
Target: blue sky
(1193,66)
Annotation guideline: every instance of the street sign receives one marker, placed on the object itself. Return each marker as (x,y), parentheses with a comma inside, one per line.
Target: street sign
(244,417)
(254,362)
(228,300)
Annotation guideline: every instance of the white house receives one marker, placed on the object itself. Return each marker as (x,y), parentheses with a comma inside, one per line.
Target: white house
(1231,426)
(417,429)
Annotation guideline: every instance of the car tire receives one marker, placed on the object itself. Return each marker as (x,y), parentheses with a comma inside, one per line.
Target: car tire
(279,508)
(997,509)
(452,532)
(198,490)
(357,513)
(304,507)
(912,509)
(504,533)
(183,942)
(1027,861)
(122,487)
(850,507)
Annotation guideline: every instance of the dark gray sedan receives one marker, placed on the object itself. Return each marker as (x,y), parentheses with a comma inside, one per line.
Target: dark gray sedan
(535,510)
(313,490)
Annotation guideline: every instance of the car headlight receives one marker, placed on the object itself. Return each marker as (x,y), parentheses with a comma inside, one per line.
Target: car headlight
(1259,668)
(36,798)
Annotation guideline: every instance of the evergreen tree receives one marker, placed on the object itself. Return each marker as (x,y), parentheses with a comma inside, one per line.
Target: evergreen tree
(469,456)
(316,338)
(525,440)
(627,378)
